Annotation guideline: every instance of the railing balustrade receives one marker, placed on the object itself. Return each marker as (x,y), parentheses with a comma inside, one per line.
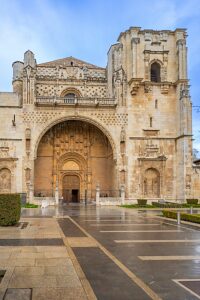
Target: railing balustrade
(87,101)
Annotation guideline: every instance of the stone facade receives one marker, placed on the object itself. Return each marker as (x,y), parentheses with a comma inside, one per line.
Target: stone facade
(71,126)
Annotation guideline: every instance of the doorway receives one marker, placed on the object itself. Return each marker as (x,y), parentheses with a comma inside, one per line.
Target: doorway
(71,189)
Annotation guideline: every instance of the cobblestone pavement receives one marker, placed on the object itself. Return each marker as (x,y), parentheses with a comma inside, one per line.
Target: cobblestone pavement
(78,252)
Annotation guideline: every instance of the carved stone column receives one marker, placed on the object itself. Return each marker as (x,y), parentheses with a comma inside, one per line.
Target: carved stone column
(182,63)
(134,43)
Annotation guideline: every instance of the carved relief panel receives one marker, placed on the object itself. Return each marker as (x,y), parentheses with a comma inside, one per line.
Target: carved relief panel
(5,180)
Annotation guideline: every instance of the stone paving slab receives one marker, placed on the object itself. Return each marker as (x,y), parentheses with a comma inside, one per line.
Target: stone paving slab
(18,294)
(193,285)
(58,294)
(40,265)
(69,228)
(108,281)
(81,242)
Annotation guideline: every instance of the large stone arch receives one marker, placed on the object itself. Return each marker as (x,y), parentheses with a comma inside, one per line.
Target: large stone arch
(80,143)
(78,118)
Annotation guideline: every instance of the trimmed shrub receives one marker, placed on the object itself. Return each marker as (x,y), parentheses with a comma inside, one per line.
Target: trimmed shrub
(194,218)
(142,202)
(10,209)
(169,214)
(167,205)
(192,201)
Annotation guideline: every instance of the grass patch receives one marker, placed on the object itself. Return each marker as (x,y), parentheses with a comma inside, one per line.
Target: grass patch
(161,205)
(175,205)
(30,205)
(189,205)
(137,206)
(194,218)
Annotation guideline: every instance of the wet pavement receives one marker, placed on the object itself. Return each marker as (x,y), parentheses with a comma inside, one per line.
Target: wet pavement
(131,254)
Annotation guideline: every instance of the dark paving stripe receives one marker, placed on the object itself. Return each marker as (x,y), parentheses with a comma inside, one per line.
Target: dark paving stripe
(31,242)
(194,286)
(18,294)
(69,228)
(108,281)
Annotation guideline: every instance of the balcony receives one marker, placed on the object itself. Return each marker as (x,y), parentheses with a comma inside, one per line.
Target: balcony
(77,101)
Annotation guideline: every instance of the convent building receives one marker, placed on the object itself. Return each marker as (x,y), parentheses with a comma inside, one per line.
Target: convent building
(70,126)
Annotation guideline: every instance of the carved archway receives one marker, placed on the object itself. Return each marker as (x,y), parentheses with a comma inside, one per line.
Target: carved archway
(72,165)
(77,118)
(74,148)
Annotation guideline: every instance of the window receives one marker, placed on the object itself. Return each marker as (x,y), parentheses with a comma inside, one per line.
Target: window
(155,72)
(150,121)
(69,98)
(156,103)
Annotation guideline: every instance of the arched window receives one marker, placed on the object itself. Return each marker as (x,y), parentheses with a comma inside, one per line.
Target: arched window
(69,98)
(155,72)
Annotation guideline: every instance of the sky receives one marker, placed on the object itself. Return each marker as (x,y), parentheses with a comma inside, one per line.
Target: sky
(87,28)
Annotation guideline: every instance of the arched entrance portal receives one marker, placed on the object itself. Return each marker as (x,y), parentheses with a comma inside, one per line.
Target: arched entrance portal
(76,156)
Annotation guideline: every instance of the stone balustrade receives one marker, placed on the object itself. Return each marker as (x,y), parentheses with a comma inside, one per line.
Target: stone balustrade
(79,101)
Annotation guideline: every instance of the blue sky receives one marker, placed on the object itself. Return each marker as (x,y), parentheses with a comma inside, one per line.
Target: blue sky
(86,29)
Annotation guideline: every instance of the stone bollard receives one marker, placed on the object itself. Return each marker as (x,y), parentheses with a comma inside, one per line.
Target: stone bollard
(178,217)
(31,197)
(57,196)
(191,210)
(122,194)
(97,195)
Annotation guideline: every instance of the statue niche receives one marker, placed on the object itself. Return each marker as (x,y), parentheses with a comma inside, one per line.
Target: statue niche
(5,180)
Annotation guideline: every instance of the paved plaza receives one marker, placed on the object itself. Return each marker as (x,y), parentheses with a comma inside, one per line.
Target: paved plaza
(89,252)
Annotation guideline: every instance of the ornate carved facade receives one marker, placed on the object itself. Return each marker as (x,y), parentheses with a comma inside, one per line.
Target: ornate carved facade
(71,126)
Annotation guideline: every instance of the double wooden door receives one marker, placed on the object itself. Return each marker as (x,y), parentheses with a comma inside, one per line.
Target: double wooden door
(71,188)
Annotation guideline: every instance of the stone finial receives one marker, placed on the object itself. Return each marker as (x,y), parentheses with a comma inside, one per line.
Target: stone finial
(29,59)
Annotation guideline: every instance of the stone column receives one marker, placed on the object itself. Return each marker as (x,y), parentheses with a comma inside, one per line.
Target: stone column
(134,42)
(97,195)
(182,60)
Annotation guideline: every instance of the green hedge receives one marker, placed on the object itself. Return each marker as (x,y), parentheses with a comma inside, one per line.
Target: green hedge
(195,218)
(142,202)
(167,205)
(192,201)
(10,209)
